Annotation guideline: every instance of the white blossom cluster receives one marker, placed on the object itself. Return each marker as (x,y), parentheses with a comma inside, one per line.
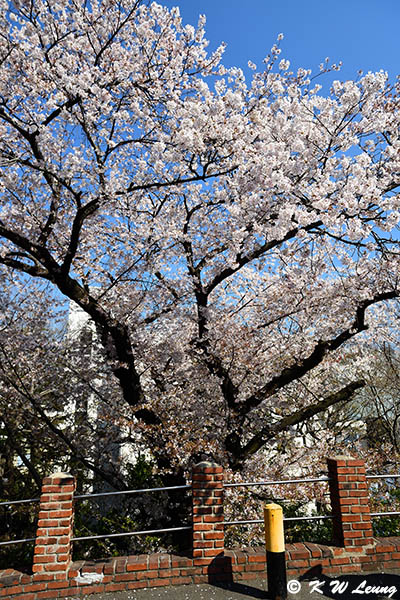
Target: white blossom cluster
(230,228)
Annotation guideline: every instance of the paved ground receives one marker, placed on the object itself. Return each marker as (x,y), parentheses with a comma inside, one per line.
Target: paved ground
(344,587)
(235,591)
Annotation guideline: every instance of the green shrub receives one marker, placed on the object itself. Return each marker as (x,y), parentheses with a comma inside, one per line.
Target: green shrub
(129,513)
(17,521)
(386,501)
(316,531)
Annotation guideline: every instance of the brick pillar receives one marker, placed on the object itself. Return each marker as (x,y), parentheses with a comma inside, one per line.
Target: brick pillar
(349,499)
(53,547)
(208,512)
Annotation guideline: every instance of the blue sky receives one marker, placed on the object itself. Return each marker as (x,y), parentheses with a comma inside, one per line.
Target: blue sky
(364,34)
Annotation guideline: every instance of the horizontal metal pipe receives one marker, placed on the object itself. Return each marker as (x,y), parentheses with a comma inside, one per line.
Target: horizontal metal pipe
(110,535)
(315,518)
(384,514)
(383,476)
(283,481)
(188,486)
(178,487)
(187,527)
(80,497)
(161,489)
(256,521)
(19,501)
(252,522)
(17,541)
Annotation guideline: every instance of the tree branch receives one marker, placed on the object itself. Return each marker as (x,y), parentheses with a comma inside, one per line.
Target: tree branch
(81,215)
(12,440)
(242,260)
(179,181)
(269,432)
(321,349)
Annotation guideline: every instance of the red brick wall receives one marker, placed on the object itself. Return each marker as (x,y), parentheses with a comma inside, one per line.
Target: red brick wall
(208,512)
(156,570)
(348,486)
(53,547)
(58,577)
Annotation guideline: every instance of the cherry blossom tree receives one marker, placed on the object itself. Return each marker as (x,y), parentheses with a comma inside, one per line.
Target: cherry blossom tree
(45,386)
(227,238)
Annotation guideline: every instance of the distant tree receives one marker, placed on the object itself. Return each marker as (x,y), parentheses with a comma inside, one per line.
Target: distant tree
(45,383)
(227,239)
(380,406)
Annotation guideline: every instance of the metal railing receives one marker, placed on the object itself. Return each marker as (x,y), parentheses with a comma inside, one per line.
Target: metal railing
(102,494)
(10,542)
(159,489)
(278,482)
(128,533)
(188,486)
(11,503)
(387,513)
(19,501)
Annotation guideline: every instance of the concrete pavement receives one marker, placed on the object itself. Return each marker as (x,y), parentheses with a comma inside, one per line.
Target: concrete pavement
(235,591)
(371,586)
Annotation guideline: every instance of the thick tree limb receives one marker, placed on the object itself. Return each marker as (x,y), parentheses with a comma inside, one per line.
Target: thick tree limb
(178,181)
(245,259)
(269,432)
(320,350)
(121,346)
(81,215)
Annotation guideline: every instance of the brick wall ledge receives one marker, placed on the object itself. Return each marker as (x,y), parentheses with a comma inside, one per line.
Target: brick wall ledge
(153,570)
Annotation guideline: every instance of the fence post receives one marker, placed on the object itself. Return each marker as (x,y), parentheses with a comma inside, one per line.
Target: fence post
(208,512)
(53,546)
(275,548)
(348,489)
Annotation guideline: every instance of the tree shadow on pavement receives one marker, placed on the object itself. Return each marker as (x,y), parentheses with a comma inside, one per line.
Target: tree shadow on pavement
(220,576)
(347,587)
(241,588)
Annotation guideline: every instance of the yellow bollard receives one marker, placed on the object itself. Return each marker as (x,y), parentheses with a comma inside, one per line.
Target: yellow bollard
(275,547)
